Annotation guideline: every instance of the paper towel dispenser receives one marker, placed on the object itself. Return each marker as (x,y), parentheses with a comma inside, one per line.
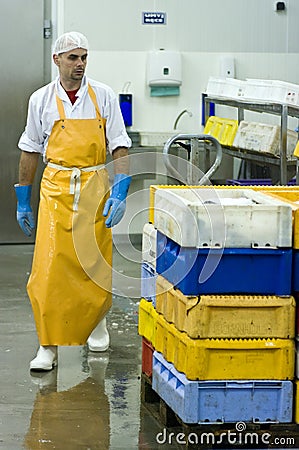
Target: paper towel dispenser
(164,68)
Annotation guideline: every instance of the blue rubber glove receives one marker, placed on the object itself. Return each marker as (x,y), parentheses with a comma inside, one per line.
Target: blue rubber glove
(24,212)
(116,203)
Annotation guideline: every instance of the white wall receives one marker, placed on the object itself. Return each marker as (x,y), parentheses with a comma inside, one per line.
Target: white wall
(265,44)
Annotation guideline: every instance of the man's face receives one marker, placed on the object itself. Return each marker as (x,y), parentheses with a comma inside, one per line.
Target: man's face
(71,65)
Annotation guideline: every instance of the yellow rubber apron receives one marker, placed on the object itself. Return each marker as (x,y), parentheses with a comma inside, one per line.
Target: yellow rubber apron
(70,282)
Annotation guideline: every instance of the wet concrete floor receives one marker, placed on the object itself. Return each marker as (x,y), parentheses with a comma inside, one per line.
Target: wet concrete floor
(90,401)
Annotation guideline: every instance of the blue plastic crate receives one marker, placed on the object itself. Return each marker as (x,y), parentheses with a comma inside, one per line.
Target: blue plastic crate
(292,182)
(224,271)
(148,282)
(222,401)
(250,182)
(256,182)
(295,272)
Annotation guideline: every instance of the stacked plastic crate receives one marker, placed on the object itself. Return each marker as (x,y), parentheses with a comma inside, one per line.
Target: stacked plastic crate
(147,313)
(291,197)
(217,308)
(253,136)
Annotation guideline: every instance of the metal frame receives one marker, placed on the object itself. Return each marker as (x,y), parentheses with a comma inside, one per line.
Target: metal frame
(281,110)
(192,175)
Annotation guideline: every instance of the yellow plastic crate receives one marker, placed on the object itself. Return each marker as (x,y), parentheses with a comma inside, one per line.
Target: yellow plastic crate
(147,318)
(279,190)
(225,359)
(224,130)
(225,316)
(175,306)
(296,404)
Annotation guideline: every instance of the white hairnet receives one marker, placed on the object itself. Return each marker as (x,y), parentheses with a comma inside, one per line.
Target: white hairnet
(70,41)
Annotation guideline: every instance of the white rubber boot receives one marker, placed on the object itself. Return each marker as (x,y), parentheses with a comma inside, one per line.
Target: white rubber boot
(99,339)
(46,358)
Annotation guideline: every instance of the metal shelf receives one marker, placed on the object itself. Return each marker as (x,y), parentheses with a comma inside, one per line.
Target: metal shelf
(279,109)
(256,157)
(267,107)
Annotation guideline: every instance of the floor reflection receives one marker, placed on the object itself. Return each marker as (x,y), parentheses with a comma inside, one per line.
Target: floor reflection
(76,418)
(89,402)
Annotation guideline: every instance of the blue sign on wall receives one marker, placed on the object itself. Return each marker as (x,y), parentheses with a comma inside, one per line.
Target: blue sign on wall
(154,18)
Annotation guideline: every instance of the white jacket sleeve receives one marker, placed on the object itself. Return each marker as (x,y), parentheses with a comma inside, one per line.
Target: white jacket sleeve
(32,139)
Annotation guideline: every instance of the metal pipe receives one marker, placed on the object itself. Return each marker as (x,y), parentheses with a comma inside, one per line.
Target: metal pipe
(179,116)
(201,137)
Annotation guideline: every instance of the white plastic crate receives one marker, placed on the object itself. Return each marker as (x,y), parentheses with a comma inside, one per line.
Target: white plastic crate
(149,244)
(257,136)
(226,87)
(234,88)
(257,90)
(285,92)
(292,139)
(216,86)
(231,218)
(263,138)
(275,91)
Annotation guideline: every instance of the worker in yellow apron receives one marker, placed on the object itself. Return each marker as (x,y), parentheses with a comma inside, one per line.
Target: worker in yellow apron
(68,301)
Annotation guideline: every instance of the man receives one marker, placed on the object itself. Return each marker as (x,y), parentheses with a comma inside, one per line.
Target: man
(69,122)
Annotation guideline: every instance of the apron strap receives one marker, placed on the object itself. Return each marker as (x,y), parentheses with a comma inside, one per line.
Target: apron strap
(75,181)
(93,97)
(60,107)
(94,101)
